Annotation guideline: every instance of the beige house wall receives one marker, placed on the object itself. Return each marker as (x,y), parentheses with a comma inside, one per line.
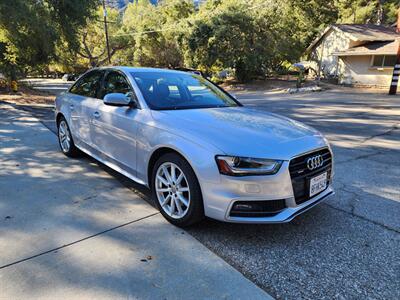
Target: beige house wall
(358,70)
(334,41)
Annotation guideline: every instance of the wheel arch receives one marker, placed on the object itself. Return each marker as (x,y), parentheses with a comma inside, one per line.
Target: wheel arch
(58,117)
(156,155)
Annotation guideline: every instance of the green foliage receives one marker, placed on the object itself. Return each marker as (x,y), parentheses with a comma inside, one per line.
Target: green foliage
(93,49)
(155,32)
(30,29)
(371,11)
(228,36)
(252,38)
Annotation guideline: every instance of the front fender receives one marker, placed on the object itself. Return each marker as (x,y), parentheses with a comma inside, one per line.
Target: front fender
(199,156)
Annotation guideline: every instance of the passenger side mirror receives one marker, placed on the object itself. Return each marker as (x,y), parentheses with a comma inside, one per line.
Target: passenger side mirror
(119,99)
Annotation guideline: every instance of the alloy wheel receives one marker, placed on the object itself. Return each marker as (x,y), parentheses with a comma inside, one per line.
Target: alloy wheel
(172,189)
(64,136)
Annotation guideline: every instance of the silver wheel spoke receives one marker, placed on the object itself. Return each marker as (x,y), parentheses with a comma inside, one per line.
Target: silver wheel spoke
(167,175)
(179,179)
(162,190)
(162,180)
(178,206)
(183,189)
(183,200)
(172,207)
(173,173)
(166,200)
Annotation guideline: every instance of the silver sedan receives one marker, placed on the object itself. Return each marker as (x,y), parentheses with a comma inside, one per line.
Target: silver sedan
(199,150)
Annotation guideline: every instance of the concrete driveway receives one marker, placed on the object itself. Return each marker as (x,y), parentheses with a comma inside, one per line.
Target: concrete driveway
(346,247)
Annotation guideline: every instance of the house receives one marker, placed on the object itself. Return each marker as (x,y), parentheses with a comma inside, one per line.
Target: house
(356,54)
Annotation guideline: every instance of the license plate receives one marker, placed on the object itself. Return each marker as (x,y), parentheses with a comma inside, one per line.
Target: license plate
(318,184)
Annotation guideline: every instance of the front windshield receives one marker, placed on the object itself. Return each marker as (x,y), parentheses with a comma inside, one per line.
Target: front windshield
(170,90)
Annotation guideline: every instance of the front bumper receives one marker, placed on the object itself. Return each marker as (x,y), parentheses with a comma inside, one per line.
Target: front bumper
(219,198)
(287,214)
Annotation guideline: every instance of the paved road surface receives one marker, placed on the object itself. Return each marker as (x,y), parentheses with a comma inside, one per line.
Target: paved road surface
(53,86)
(348,246)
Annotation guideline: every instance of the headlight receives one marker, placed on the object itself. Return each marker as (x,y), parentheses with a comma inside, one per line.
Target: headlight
(244,166)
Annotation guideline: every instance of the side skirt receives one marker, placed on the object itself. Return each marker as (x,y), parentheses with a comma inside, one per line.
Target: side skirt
(109,162)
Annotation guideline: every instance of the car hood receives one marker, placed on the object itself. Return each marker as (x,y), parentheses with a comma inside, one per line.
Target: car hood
(242,131)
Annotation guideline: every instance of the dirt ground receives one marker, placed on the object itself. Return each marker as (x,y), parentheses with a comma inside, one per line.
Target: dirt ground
(26,95)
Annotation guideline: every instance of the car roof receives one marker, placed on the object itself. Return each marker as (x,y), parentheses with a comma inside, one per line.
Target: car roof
(136,69)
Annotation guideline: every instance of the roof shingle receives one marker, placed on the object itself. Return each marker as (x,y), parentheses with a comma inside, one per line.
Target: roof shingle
(369,32)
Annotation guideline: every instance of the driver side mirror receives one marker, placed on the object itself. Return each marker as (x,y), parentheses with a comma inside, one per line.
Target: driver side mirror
(119,99)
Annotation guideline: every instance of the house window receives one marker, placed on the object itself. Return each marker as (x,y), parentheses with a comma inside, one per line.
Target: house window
(380,61)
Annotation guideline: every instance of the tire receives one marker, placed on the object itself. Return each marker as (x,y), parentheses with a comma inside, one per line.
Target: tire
(65,140)
(178,188)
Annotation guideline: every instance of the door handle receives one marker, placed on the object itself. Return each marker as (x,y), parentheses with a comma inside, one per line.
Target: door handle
(96,114)
(71,107)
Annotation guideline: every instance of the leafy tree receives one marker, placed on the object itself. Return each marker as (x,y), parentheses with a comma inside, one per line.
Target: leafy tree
(155,31)
(93,48)
(251,37)
(224,34)
(30,29)
(367,11)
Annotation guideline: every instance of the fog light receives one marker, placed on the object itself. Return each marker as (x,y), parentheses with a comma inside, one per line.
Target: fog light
(243,207)
(263,208)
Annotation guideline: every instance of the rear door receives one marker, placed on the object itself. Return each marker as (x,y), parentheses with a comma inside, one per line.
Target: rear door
(84,99)
(114,128)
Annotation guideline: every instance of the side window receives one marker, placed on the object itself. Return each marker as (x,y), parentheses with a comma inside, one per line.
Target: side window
(116,83)
(88,85)
(382,61)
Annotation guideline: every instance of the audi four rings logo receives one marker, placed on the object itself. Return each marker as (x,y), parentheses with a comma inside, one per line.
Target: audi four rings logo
(315,162)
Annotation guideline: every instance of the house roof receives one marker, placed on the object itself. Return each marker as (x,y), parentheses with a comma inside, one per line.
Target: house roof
(368,32)
(360,32)
(372,48)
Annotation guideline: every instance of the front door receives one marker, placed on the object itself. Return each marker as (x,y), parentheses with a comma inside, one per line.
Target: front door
(114,128)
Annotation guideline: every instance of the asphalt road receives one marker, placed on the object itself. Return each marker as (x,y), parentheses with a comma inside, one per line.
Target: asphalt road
(345,248)
(52,86)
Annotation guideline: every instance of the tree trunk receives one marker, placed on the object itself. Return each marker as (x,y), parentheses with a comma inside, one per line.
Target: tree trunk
(379,13)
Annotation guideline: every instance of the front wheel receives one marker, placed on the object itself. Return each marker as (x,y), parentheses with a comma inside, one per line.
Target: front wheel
(176,190)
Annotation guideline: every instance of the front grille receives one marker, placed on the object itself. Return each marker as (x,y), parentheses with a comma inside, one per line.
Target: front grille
(300,174)
(251,209)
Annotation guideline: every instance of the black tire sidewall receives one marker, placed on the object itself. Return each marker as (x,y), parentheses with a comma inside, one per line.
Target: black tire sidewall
(196,208)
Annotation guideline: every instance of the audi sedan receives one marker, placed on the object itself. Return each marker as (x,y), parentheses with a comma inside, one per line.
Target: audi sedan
(199,150)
